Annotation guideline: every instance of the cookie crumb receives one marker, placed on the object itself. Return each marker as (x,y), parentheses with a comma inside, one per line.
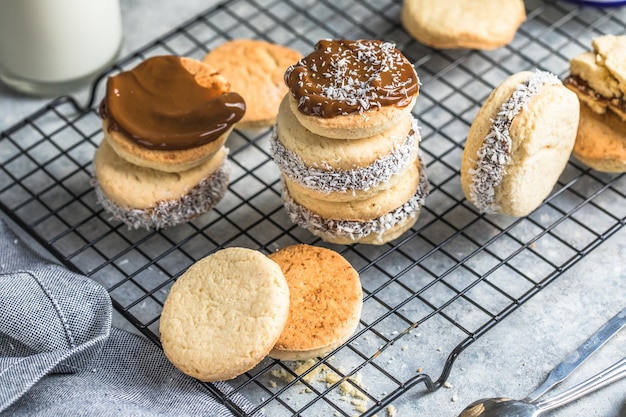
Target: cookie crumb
(303,367)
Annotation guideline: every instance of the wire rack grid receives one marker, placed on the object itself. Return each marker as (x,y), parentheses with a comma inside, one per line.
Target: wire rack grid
(427,295)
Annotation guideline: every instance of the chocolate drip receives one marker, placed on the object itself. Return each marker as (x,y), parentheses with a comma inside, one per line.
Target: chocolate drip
(160,105)
(344,76)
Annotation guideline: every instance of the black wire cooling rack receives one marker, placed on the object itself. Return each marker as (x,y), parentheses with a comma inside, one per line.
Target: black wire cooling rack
(437,288)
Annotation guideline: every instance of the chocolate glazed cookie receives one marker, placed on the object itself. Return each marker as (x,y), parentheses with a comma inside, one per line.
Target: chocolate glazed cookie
(162,161)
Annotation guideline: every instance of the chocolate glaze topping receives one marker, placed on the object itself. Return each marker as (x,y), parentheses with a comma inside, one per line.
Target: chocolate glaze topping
(160,105)
(344,76)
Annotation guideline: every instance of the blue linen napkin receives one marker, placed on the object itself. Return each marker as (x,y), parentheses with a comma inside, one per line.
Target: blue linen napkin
(59,355)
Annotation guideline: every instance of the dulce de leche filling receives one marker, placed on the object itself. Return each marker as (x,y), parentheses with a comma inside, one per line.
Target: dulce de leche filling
(159,104)
(344,76)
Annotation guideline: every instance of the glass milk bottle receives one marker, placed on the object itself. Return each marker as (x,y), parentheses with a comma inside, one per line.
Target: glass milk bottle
(50,47)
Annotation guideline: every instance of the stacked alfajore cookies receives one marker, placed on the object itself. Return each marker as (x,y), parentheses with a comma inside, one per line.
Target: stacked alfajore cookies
(347,145)
(162,160)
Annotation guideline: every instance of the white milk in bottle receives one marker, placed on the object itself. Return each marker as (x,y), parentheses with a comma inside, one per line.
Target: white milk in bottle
(50,47)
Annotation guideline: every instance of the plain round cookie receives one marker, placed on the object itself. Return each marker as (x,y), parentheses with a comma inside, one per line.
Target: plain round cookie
(325,301)
(147,198)
(255,70)
(474,24)
(519,143)
(224,314)
(364,209)
(601,141)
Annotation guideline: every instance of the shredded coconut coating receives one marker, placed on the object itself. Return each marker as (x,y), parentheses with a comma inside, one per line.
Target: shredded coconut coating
(494,155)
(355,230)
(200,199)
(329,180)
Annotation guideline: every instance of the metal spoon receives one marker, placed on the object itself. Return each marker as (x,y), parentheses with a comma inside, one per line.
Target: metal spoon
(505,407)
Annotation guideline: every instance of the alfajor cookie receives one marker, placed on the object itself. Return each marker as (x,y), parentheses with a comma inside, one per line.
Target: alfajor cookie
(376,227)
(598,78)
(342,170)
(147,198)
(255,69)
(325,302)
(473,24)
(362,209)
(169,113)
(519,143)
(224,314)
(351,89)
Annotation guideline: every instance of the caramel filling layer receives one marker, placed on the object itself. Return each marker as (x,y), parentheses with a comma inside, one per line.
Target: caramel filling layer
(584,87)
(161,105)
(343,76)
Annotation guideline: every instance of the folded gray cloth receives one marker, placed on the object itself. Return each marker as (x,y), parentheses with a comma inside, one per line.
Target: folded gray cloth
(59,355)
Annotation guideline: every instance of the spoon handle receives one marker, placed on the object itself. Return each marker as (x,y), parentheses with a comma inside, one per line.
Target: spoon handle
(601,379)
(577,357)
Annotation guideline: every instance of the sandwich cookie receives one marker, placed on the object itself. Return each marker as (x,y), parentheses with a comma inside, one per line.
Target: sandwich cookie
(377,230)
(519,144)
(363,209)
(169,113)
(598,78)
(342,170)
(347,144)
(148,198)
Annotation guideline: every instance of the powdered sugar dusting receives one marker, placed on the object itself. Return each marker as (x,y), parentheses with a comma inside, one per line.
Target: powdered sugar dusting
(197,201)
(494,155)
(355,230)
(329,180)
